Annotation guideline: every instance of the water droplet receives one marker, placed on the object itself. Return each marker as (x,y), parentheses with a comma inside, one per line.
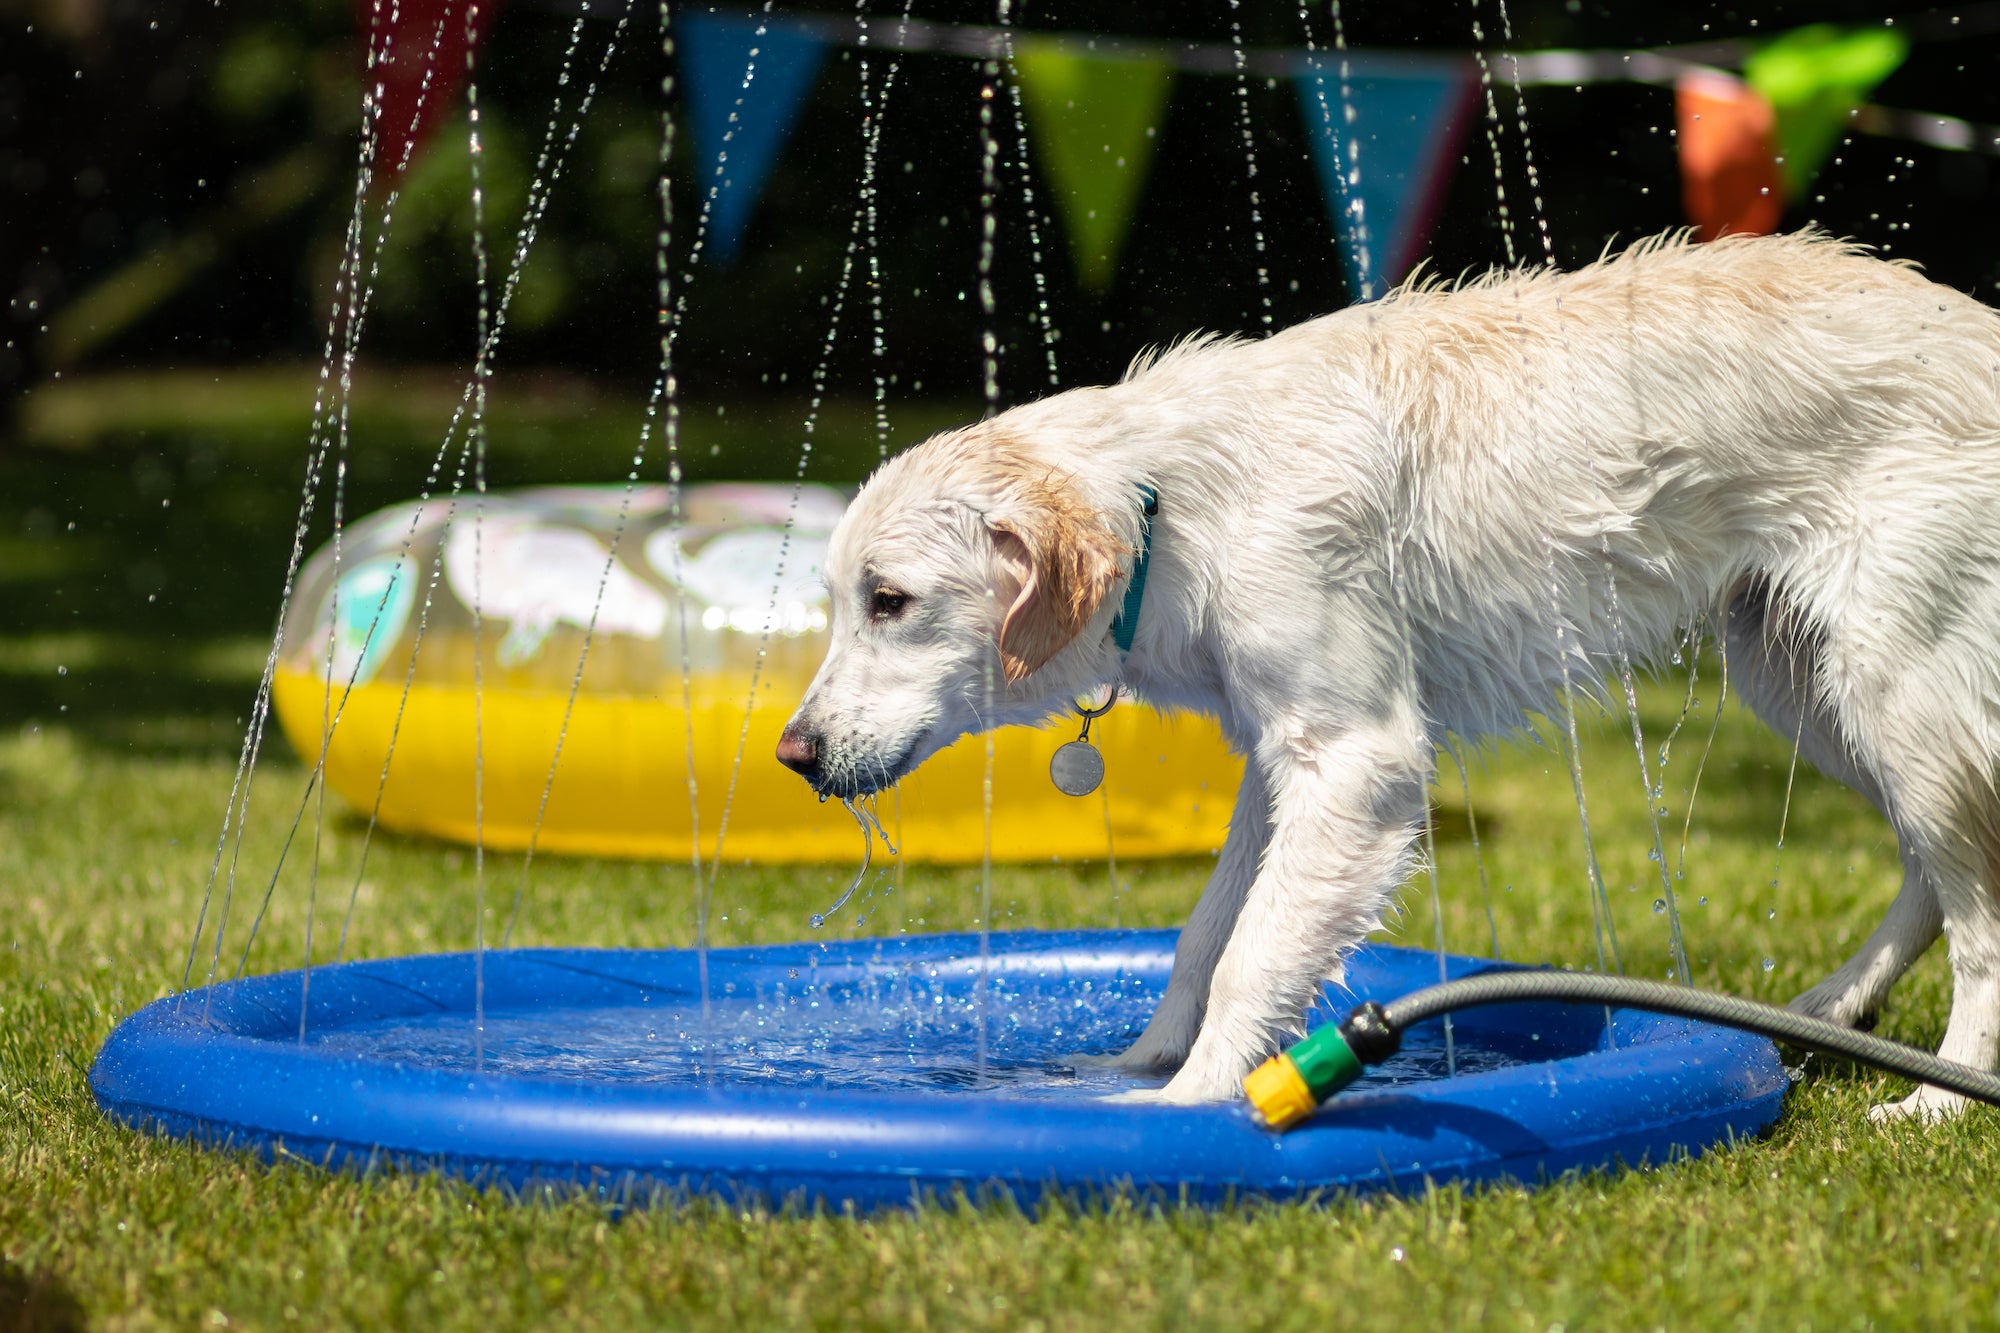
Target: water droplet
(1771,915)
(62,670)
(1653,855)
(1397,1254)
(1659,906)
(1702,901)
(1770,963)
(816,921)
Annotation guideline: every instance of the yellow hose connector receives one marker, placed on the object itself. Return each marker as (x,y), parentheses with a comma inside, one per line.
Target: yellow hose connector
(1279,1092)
(1286,1088)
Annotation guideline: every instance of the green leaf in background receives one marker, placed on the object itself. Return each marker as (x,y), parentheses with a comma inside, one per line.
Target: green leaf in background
(1814,78)
(1095,123)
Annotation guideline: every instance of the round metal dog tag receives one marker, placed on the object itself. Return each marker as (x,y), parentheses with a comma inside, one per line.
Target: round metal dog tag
(1077,769)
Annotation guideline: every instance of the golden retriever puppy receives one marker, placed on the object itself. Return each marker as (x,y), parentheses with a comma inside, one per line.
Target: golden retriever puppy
(1434,513)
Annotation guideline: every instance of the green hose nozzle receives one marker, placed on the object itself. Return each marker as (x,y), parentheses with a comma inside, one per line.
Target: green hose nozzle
(1288,1087)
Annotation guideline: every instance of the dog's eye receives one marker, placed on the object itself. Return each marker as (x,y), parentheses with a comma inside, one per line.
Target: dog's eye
(887,604)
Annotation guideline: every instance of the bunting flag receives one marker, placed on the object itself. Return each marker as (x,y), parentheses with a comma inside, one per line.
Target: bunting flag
(1096,122)
(1384,140)
(746,82)
(1727,133)
(1750,146)
(1814,79)
(420,49)
(1384,136)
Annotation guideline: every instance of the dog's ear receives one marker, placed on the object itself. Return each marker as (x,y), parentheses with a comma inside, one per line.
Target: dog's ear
(1063,559)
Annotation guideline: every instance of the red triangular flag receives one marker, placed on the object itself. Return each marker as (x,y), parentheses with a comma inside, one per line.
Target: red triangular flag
(417,42)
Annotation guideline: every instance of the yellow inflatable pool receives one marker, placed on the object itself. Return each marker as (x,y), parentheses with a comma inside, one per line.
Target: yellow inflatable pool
(736,568)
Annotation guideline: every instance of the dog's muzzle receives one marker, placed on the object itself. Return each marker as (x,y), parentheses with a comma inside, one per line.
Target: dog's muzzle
(833,769)
(799,751)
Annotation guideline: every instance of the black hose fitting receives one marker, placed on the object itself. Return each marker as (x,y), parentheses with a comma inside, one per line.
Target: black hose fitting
(1370,1035)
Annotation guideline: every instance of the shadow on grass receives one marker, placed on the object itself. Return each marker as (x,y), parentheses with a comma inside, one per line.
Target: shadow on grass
(133,711)
(147,521)
(36,1303)
(1747,800)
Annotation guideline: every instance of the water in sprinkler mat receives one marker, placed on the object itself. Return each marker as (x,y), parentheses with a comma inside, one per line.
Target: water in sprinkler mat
(912,1034)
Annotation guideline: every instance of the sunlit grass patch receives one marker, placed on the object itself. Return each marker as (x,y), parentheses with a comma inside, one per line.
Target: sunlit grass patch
(1830,1222)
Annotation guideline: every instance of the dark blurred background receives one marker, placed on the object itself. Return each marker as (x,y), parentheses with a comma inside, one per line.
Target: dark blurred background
(178,178)
(220,137)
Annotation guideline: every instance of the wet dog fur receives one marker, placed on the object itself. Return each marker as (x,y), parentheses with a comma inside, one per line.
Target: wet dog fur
(1435,514)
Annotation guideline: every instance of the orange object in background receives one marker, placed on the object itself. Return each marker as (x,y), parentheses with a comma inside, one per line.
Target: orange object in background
(1730,180)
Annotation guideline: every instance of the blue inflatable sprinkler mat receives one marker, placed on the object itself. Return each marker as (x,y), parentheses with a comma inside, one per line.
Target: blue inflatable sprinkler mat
(849,1072)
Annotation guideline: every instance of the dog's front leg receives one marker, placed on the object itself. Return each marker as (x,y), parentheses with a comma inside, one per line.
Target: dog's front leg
(1345,804)
(1171,1033)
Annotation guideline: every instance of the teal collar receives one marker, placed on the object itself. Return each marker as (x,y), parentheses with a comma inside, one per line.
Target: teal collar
(1126,625)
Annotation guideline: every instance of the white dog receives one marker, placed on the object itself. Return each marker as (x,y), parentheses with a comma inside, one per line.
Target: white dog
(1427,515)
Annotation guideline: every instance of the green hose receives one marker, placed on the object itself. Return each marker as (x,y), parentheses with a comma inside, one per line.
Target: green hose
(1286,1088)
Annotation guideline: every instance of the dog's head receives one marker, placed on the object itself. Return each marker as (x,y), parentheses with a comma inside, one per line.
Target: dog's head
(970,583)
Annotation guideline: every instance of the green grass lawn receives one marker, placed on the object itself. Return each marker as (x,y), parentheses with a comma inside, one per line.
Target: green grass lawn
(112,781)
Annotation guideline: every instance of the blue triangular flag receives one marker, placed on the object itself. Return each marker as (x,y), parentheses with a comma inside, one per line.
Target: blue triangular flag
(1404,115)
(744,90)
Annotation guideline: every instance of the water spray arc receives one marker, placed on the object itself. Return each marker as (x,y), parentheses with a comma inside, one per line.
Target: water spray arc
(489,993)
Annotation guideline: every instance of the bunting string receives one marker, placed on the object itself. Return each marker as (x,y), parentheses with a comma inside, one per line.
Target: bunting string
(1756,117)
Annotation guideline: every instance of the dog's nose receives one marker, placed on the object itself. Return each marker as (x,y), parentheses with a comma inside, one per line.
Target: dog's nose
(798,751)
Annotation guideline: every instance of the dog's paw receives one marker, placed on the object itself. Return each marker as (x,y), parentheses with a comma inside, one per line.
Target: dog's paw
(1074,1061)
(1927,1105)
(1839,1001)
(1118,1062)
(1196,1086)
(1166,1096)
(1138,1058)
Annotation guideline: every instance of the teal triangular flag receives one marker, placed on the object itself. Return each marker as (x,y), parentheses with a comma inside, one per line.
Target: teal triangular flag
(1384,151)
(744,91)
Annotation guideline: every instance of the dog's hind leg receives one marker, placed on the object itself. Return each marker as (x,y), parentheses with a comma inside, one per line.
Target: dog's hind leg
(1949,810)
(1774,661)
(1853,995)
(1171,1033)
(1921,726)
